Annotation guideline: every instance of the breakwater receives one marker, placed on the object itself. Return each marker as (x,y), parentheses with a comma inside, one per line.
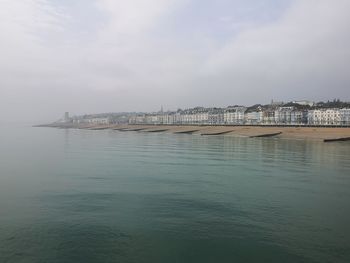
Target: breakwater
(286,132)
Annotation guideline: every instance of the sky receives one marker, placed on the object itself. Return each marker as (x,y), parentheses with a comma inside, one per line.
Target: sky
(95,56)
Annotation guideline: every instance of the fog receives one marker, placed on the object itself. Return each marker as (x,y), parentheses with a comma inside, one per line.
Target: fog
(93,56)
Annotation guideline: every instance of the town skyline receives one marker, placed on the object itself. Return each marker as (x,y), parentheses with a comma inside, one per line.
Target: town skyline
(272,101)
(302,112)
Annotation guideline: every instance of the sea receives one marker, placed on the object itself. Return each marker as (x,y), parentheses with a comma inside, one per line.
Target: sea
(71,195)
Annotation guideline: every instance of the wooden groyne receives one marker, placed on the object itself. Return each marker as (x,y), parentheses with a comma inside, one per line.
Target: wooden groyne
(337,139)
(136,129)
(186,132)
(266,135)
(322,134)
(216,133)
(160,130)
(98,128)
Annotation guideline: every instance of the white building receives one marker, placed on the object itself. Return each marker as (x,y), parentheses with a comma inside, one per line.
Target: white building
(169,118)
(137,119)
(98,120)
(344,116)
(298,117)
(216,117)
(304,102)
(177,118)
(268,117)
(151,119)
(324,117)
(254,117)
(234,115)
(186,118)
(201,118)
(283,115)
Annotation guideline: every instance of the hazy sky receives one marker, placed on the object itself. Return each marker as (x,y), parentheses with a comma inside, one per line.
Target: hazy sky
(90,56)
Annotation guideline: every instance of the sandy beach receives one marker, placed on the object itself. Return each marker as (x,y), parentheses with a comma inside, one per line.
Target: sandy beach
(314,133)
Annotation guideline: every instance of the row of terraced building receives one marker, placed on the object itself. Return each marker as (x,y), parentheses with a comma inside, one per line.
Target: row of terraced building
(240,115)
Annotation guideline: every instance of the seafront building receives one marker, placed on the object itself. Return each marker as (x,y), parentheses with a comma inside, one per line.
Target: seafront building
(239,115)
(216,116)
(344,115)
(253,117)
(290,116)
(107,119)
(296,113)
(324,117)
(234,115)
(97,121)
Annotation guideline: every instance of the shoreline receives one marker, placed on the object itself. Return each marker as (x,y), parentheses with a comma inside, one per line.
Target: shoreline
(286,132)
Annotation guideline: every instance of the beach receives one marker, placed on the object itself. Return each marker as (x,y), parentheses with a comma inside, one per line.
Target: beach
(283,132)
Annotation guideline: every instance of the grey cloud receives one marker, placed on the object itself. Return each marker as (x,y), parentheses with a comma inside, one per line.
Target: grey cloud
(128,65)
(306,54)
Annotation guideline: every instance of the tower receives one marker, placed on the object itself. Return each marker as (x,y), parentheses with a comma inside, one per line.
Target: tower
(66,116)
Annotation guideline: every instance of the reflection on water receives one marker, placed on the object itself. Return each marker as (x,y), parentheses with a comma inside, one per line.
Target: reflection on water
(108,196)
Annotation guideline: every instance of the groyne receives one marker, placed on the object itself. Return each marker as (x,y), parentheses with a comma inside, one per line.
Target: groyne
(326,134)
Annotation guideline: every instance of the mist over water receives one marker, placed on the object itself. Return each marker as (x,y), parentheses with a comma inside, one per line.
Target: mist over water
(109,196)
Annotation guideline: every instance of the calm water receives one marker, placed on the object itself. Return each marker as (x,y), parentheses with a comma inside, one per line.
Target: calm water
(108,196)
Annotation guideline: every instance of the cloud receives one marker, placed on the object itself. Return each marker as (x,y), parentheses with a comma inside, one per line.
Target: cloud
(305,54)
(72,73)
(130,17)
(133,60)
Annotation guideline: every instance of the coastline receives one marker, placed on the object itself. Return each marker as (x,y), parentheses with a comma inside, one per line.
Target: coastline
(285,132)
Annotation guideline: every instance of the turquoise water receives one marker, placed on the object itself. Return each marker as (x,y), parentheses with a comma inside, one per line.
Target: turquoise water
(109,196)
